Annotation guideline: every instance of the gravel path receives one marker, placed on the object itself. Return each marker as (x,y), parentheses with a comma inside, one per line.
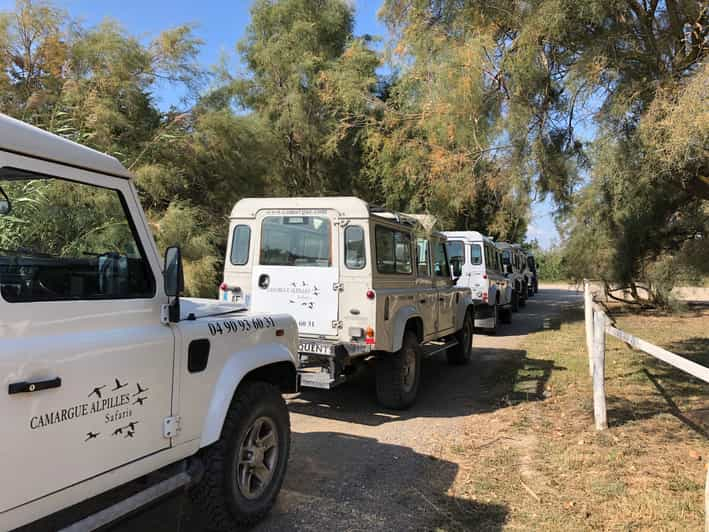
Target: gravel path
(355,466)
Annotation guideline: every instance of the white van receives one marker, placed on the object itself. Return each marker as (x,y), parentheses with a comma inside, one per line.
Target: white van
(477,264)
(360,281)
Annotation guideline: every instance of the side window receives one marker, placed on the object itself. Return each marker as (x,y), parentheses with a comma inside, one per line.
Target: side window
(476,256)
(355,258)
(440,262)
(240,242)
(393,251)
(422,260)
(68,241)
(456,256)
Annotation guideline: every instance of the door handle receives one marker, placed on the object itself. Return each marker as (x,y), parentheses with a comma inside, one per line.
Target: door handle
(31,387)
(423,301)
(441,299)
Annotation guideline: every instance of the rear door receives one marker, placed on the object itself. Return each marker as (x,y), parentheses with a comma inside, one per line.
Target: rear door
(296,270)
(445,288)
(85,364)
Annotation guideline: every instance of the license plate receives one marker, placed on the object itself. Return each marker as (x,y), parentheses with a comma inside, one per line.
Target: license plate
(315,348)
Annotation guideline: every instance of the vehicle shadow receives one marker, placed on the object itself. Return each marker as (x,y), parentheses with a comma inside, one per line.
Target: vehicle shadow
(501,378)
(546,306)
(340,481)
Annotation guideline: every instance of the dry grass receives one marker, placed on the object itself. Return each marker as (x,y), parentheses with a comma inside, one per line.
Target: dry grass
(536,453)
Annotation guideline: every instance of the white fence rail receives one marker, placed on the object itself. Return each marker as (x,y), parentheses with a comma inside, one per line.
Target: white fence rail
(597,326)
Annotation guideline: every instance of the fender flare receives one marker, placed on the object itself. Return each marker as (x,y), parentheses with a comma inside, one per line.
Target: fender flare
(238,365)
(401,318)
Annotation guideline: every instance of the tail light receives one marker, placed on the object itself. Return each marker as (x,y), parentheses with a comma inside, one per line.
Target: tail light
(484,276)
(370,294)
(223,286)
(369,337)
(485,297)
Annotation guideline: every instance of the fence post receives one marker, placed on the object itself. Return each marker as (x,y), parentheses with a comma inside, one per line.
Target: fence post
(706,502)
(588,315)
(599,365)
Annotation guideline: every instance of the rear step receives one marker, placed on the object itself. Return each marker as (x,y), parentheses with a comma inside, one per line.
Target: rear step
(319,379)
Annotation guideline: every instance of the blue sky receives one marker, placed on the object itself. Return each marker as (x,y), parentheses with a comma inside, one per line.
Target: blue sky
(220,24)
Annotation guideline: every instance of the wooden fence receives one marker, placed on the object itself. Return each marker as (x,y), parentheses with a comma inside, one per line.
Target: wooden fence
(597,326)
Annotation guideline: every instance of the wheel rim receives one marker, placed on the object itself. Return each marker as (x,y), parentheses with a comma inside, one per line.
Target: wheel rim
(409,369)
(258,457)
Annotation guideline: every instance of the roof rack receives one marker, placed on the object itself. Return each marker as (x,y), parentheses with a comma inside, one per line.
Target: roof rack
(401,218)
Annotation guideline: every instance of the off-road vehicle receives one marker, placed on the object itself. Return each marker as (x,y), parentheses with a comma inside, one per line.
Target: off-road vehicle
(362,283)
(514,266)
(477,264)
(109,375)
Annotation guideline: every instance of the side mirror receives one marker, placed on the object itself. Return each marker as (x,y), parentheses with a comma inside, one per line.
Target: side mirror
(174,279)
(5,206)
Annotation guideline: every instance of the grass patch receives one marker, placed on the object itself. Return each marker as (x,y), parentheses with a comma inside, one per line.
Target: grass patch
(548,466)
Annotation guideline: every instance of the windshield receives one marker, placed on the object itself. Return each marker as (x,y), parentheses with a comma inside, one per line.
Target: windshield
(296,241)
(67,240)
(506,256)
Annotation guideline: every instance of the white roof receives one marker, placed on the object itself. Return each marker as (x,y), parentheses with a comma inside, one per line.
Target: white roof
(468,236)
(346,205)
(21,138)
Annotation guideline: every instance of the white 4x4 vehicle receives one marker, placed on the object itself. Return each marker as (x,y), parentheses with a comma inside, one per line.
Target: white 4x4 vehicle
(514,263)
(477,264)
(107,374)
(359,282)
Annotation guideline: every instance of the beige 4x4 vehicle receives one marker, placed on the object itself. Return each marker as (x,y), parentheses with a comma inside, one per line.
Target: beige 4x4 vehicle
(360,281)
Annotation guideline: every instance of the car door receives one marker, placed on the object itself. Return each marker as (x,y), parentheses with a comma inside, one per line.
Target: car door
(296,269)
(85,364)
(427,293)
(445,288)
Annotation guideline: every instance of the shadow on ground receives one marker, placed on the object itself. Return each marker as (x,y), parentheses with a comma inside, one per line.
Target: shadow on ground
(372,486)
(501,378)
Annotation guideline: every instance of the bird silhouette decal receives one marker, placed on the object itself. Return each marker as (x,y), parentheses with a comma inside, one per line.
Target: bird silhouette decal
(118,431)
(140,390)
(129,434)
(132,425)
(97,391)
(139,401)
(91,435)
(118,385)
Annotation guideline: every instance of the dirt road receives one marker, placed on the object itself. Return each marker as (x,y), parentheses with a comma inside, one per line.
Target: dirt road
(355,466)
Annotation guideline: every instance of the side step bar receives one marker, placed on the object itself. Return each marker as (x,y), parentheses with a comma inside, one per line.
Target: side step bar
(433,348)
(131,504)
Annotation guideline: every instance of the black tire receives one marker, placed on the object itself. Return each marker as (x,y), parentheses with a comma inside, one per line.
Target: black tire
(220,501)
(514,305)
(523,296)
(495,314)
(397,386)
(462,352)
(506,315)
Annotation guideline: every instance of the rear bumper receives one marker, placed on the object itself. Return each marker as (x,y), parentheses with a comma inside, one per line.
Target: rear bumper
(323,362)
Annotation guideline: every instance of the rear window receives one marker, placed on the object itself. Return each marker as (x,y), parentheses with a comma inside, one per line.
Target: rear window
(393,251)
(296,241)
(240,245)
(456,257)
(354,248)
(476,255)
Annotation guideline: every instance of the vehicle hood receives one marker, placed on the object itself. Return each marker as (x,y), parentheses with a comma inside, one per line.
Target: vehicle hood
(201,308)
